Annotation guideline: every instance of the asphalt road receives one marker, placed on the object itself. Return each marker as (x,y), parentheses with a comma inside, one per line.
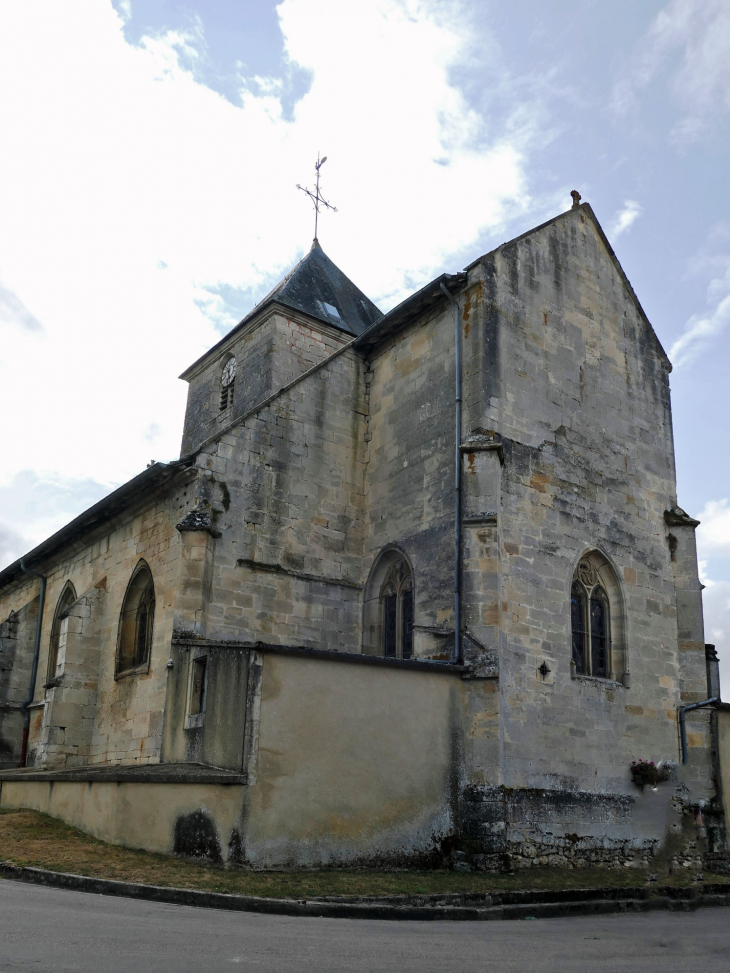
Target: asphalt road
(51,929)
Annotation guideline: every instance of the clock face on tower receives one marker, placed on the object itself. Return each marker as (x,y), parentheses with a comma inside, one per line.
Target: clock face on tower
(229,372)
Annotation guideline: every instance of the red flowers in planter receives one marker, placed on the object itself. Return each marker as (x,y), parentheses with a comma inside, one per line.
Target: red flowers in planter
(645,772)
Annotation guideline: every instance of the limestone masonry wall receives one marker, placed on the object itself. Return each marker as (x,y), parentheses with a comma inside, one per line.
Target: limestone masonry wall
(288,494)
(410,480)
(85,715)
(574,385)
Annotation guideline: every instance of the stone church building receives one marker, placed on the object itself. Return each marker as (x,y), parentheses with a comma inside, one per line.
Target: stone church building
(418,582)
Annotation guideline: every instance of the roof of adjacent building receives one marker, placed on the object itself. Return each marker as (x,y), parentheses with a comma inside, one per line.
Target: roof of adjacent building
(318,288)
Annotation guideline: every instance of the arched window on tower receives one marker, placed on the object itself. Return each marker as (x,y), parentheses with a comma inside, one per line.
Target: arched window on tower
(228,381)
(136,622)
(596,619)
(58,628)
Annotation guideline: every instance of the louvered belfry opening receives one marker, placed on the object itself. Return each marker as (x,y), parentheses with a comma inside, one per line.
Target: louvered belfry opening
(228,383)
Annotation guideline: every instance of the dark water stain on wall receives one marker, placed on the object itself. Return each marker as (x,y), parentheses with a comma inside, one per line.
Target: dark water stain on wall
(196,837)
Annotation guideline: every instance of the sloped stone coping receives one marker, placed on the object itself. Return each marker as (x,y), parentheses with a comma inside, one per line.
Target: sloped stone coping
(330,655)
(455,907)
(130,774)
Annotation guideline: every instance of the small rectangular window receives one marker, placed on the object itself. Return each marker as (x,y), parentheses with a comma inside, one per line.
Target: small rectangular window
(197,687)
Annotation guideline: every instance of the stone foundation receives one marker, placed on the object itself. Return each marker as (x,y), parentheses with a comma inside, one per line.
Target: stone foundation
(505,828)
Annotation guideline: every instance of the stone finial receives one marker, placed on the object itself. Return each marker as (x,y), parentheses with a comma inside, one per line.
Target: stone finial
(576,198)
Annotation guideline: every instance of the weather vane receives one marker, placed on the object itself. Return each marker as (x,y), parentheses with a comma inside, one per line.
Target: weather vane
(315,196)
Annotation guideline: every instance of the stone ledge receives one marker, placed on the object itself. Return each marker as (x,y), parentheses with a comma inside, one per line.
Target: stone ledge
(128,774)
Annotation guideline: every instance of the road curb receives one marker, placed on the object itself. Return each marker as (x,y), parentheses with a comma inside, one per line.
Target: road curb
(507,905)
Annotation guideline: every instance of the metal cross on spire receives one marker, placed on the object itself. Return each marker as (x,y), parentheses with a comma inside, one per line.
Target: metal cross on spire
(315,196)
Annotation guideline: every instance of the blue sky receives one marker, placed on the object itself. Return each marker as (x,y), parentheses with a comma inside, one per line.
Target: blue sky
(150,156)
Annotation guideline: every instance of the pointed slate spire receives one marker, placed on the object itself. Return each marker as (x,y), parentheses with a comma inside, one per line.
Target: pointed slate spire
(318,287)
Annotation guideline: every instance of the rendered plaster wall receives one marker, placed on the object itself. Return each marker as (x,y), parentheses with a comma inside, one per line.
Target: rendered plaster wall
(215,736)
(563,368)
(286,489)
(137,815)
(356,763)
(90,717)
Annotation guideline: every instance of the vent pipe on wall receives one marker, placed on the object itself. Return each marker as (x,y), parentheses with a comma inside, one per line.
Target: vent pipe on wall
(682,726)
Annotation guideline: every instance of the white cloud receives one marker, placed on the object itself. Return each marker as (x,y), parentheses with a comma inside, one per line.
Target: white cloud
(713,534)
(12,543)
(625,218)
(133,197)
(13,311)
(688,43)
(34,507)
(702,328)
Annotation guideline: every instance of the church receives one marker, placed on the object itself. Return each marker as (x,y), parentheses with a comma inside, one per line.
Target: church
(417,590)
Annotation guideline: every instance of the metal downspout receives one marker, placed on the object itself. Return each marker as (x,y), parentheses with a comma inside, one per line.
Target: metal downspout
(457,478)
(682,726)
(36,652)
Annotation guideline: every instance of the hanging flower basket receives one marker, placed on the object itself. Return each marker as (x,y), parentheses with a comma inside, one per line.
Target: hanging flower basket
(645,772)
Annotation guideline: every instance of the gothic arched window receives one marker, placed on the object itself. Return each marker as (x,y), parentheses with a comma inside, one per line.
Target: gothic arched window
(396,606)
(591,611)
(136,622)
(228,381)
(58,629)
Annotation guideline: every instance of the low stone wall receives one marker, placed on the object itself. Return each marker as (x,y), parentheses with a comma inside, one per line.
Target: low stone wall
(196,819)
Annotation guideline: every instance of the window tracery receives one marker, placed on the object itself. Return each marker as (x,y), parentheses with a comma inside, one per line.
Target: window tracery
(590,619)
(396,599)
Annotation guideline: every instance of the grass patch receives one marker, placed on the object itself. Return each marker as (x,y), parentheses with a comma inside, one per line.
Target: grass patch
(34,839)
